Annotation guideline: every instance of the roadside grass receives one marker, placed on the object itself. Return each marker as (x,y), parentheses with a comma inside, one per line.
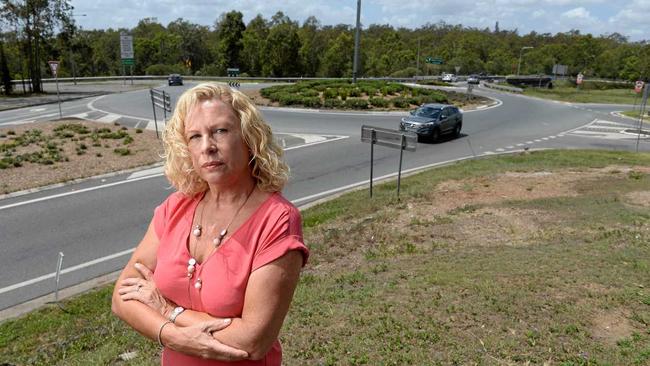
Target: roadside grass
(571,94)
(636,114)
(537,258)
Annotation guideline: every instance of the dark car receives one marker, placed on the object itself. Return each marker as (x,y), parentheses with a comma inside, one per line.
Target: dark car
(175,79)
(473,79)
(432,120)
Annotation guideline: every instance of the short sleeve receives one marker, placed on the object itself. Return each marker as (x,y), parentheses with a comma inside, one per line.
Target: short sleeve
(160,218)
(284,235)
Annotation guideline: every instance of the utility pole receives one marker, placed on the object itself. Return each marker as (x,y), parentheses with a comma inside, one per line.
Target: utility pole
(417,63)
(357,35)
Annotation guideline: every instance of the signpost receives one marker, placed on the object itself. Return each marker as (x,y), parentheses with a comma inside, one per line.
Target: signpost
(54,67)
(642,108)
(638,86)
(579,79)
(126,53)
(402,140)
(159,98)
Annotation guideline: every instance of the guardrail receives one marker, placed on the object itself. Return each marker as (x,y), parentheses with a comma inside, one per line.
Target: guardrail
(503,87)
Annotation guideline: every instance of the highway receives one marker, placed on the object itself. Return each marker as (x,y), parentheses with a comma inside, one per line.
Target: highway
(97,222)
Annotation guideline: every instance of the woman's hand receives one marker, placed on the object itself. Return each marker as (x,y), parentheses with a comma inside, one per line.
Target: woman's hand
(145,290)
(197,340)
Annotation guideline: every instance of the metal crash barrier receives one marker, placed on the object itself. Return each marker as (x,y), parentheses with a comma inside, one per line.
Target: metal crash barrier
(161,99)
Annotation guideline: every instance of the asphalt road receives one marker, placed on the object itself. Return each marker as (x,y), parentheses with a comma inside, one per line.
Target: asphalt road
(97,222)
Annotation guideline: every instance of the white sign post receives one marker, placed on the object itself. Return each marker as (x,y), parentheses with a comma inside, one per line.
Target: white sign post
(54,66)
(579,79)
(638,86)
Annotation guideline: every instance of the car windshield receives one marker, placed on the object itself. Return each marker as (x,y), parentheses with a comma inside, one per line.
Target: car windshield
(428,112)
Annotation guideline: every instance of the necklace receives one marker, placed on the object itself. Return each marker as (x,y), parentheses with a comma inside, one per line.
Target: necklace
(198,231)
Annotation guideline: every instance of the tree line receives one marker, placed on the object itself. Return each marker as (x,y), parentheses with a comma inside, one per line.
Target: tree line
(280,47)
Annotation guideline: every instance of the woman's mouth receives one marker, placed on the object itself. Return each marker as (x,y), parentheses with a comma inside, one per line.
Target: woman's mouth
(212,164)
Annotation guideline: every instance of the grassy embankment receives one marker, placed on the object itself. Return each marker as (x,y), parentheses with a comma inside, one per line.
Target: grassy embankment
(540,258)
(588,92)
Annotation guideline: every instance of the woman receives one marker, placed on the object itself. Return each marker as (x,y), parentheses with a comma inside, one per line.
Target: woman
(213,277)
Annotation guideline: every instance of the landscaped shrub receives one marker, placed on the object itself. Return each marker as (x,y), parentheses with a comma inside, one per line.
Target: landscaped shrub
(355,92)
(356,103)
(343,93)
(379,102)
(330,93)
(369,90)
(313,102)
(309,93)
(289,99)
(400,102)
(333,103)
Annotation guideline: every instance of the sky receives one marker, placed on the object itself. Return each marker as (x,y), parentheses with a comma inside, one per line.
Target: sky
(598,17)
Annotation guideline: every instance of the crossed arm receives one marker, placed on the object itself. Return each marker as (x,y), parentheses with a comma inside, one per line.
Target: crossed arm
(268,296)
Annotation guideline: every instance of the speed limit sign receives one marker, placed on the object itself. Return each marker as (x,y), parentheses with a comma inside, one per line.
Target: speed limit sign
(579,79)
(638,86)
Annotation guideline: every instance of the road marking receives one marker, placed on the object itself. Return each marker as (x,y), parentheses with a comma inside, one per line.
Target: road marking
(529,142)
(37,109)
(500,150)
(538,140)
(510,147)
(64,271)
(521,145)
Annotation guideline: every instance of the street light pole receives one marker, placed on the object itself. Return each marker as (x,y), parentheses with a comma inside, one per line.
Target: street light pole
(520,54)
(356,44)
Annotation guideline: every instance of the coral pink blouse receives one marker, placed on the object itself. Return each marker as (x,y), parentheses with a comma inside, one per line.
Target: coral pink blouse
(271,231)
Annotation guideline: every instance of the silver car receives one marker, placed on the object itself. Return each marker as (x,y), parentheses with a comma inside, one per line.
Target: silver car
(433,120)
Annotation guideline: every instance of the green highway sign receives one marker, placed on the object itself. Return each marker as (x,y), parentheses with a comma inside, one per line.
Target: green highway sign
(128,61)
(433,60)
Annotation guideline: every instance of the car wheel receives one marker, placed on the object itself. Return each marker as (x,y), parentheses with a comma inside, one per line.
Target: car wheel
(457,129)
(435,135)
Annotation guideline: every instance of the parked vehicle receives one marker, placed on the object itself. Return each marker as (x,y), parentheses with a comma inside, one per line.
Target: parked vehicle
(433,120)
(450,78)
(175,79)
(473,79)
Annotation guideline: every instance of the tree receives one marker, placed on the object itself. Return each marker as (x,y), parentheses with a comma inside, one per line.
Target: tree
(281,54)
(253,45)
(4,70)
(229,30)
(36,20)
(312,46)
(337,61)
(193,45)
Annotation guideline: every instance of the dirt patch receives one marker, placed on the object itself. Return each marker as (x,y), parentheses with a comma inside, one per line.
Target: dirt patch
(611,327)
(54,156)
(639,198)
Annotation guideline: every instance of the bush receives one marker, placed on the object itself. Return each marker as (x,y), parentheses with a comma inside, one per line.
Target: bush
(313,102)
(333,103)
(369,90)
(330,93)
(122,151)
(356,103)
(400,102)
(379,102)
(162,69)
(309,93)
(289,99)
(343,93)
(355,92)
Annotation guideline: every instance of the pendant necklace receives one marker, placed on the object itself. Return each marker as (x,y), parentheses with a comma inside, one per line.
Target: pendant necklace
(198,231)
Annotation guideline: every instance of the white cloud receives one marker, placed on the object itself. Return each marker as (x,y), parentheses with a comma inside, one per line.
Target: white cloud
(579,13)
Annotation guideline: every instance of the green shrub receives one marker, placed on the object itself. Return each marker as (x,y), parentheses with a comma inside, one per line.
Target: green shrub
(138,130)
(313,102)
(405,73)
(123,151)
(289,99)
(369,90)
(309,93)
(355,92)
(127,140)
(379,102)
(356,103)
(400,102)
(11,132)
(343,93)
(330,93)
(162,69)
(333,103)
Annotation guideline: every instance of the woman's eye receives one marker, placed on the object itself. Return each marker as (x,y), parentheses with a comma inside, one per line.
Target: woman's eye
(220,131)
(194,137)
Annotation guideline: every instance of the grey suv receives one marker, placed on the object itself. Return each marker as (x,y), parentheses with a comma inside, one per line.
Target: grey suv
(175,79)
(432,120)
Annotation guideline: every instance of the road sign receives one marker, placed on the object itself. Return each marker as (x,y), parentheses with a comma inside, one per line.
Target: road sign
(432,60)
(54,66)
(579,79)
(128,61)
(126,46)
(638,86)
(457,68)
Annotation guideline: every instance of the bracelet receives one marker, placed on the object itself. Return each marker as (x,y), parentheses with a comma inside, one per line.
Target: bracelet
(160,332)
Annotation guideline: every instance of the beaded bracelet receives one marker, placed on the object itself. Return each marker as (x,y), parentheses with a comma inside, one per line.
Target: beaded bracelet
(160,332)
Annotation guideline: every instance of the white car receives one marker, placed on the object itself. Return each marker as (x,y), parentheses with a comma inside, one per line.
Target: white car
(450,78)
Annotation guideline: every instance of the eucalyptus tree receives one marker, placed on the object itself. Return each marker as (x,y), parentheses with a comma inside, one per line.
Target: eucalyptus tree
(36,22)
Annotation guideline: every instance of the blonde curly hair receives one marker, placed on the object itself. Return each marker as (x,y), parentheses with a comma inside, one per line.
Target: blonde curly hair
(267,167)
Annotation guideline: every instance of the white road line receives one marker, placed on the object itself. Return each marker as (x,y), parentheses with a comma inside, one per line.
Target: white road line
(545,138)
(316,143)
(552,137)
(500,150)
(529,142)
(520,145)
(538,140)
(510,147)
(64,271)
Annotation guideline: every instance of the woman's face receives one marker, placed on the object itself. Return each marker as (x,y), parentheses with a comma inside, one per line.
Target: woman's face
(214,139)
